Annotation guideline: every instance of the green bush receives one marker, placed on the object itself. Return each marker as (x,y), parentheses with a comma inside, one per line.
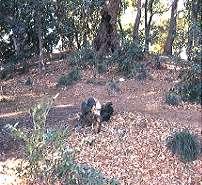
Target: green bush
(41,145)
(87,57)
(69,79)
(83,57)
(102,67)
(190,86)
(185,145)
(172,98)
(128,58)
(83,175)
(49,159)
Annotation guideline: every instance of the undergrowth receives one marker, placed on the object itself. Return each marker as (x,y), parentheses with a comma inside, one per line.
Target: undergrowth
(185,145)
(70,78)
(189,88)
(127,58)
(48,158)
(172,98)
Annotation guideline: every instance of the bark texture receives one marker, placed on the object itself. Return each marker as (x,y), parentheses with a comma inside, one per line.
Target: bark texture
(137,23)
(194,32)
(38,22)
(172,29)
(107,40)
(148,9)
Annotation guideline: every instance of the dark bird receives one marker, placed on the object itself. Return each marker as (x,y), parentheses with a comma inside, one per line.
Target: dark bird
(106,111)
(90,113)
(88,105)
(29,81)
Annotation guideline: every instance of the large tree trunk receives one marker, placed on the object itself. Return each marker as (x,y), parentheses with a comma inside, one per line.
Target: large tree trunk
(137,23)
(148,8)
(107,40)
(172,30)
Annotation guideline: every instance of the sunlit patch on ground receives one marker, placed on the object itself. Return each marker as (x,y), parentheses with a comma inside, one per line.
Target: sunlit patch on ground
(11,114)
(8,174)
(4,98)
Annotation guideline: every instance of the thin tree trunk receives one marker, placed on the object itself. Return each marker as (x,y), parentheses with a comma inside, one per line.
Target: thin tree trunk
(196,10)
(137,23)
(121,30)
(40,41)
(194,32)
(190,34)
(172,30)
(145,25)
(148,8)
(16,45)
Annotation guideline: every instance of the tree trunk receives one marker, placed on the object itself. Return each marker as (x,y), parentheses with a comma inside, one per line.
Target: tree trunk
(172,30)
(106,40)
(148,8)
(196,10)
(190,32)
(137,23)
(194,32)
(16,44)
(40,41)
(60,13)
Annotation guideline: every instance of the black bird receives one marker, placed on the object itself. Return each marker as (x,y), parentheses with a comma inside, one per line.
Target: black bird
(29,81)
(87,105)
(106,111)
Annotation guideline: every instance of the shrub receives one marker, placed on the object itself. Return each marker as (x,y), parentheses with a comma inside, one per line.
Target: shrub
(101,68)
(49,159)
(190,86)
(185,145)
(128,58)
(72,77)
(87,57)
(83,175)
(83,57)
(7,71)
(172,98)
(41,145)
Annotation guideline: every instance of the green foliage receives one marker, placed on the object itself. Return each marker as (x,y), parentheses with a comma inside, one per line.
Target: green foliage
(190,86)
(83,57)
(42,146)
(185,145)
(49,159)
(128,59)
(82,175)
(74,22)
(69,79)
(87,57)
(172,98)
(102,68)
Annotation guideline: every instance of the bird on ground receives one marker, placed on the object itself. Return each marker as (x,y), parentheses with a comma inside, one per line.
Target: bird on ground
(90,105)
(93,113)
(106,111)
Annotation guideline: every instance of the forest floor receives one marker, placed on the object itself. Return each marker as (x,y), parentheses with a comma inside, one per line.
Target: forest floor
(131,147)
